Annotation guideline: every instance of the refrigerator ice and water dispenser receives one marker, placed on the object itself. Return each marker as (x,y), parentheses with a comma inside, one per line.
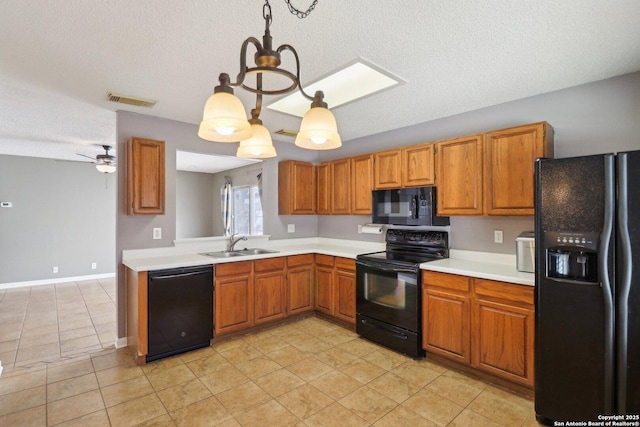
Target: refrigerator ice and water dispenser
(572,256)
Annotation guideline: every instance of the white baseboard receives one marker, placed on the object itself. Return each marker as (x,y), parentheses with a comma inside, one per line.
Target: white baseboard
(121,342)
(1,368)
(56,280)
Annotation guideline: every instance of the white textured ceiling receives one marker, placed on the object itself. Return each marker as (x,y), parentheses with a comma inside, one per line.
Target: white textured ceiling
(58,59)
(209,163)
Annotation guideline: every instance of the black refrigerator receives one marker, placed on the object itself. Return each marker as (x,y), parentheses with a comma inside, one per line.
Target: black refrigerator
(587,324)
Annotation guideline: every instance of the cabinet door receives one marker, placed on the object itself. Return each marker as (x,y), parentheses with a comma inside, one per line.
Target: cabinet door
(269,296)
(296,188)
(361,184)
(509,158)
(145,177)
(419,165)
(387,169)
(502,342)
(460,176)
(345,286)
(300,275)
(323,205)
(300,294)
(233,303)
(324,289)
(446,323)
(341,187)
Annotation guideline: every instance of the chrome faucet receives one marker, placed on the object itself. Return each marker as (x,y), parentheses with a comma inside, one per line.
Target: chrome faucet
(233,241)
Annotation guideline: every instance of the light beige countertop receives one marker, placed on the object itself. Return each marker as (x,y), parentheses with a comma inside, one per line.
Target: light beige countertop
(189,255)
(501,267)
(484,265)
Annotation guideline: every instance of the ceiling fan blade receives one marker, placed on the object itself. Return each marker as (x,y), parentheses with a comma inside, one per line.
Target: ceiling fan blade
(92,158)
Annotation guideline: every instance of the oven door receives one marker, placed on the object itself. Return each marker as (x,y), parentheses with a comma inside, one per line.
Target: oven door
(389,293)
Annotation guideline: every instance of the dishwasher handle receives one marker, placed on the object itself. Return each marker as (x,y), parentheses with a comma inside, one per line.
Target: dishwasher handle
(180,272)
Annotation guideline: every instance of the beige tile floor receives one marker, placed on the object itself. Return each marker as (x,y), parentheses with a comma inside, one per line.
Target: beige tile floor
(307,373)
(43,324)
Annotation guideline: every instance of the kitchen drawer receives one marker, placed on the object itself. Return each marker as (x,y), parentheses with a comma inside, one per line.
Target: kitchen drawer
(296,260)
(504,291)
(269,264)
(324,260)
(445,280)
(345,263)
(233,268)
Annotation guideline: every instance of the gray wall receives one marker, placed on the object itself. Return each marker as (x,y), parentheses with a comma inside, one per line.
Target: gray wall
(194,204)
(63,215)
(595,118)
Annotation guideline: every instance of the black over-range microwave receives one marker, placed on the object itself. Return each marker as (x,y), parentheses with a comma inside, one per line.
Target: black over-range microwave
(406,206)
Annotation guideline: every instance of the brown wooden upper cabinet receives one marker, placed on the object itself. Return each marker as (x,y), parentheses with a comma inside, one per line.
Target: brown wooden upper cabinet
(460,176)
(340,187)
(296,188)
(323,204)
(508,167)
(419,165)
(145,177)
(387,169)
(361,184)
(491,173)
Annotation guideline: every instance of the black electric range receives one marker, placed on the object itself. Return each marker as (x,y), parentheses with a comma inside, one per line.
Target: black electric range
(388,293)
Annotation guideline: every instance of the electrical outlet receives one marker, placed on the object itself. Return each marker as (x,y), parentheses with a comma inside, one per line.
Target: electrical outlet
(94,265)
(497,236)
(55,269)
(359,228)
(157,233)
(291,228)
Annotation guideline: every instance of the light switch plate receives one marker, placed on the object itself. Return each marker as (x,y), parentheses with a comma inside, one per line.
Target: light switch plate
(497,236)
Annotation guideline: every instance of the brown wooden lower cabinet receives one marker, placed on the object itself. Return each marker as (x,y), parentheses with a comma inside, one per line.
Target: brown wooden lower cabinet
(446,322)
(233,296)
(300,275)
(345,289)
(324,284)
(336,287)
(250,293)
(269,290)
(483,323)
(502,339)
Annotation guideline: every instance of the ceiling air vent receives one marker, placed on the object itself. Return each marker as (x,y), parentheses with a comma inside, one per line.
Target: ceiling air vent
(287,132)
(130,100)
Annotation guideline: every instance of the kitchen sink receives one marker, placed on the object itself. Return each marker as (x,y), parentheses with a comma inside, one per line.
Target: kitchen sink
(242,252)
(255,251)
(222,254)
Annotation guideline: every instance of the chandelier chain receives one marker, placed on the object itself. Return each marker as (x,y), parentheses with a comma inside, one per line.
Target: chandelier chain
(300,14)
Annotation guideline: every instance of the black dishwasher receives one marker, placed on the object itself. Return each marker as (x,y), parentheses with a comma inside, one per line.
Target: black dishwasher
(180,310)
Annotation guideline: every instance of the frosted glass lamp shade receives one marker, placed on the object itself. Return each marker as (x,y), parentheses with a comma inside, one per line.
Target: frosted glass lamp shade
(259,146)
(106,167)
(318,130)
(224,119)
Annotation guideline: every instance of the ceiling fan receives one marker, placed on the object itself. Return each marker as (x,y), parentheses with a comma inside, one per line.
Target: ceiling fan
(104,162)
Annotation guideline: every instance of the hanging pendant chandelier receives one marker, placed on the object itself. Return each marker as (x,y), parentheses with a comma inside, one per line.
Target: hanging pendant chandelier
(224,118)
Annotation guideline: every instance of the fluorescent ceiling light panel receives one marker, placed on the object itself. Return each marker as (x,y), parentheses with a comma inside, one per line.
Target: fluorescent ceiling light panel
(356,80)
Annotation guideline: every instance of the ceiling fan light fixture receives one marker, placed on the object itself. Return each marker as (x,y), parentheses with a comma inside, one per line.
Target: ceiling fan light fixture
(259,146)
(106,167)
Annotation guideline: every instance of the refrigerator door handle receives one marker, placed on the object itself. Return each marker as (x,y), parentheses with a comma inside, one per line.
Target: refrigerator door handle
(623,285)
(607,291)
